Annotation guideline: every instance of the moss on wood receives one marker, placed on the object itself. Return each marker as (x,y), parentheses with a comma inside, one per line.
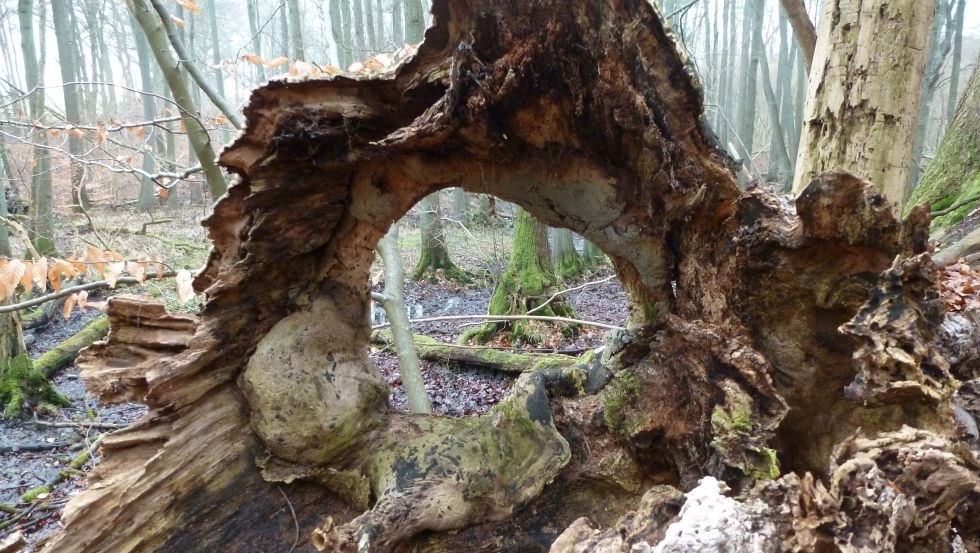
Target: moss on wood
(23,385)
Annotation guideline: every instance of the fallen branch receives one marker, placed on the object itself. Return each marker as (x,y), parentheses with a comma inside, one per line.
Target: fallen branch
(80,288)
(13,448)
(954,207)
(500,318)
(484,357)
(81,424)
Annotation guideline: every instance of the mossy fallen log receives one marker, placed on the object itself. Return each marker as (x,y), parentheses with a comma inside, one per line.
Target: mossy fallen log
(65,353)
(508,362)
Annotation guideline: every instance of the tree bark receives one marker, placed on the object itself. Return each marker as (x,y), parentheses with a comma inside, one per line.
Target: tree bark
(864,92)
(765,340)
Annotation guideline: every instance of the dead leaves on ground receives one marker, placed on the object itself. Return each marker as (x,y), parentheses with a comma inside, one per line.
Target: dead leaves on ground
(959,286)
(92,263)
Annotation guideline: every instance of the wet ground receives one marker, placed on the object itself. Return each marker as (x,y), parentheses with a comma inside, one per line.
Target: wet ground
(461,391)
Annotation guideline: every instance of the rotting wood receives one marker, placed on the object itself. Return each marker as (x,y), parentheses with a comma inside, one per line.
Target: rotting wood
(732,365)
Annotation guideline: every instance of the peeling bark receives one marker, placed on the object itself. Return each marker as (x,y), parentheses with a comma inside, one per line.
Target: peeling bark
(733,366)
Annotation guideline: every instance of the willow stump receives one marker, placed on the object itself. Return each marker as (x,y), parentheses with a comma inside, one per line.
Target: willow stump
(798,354)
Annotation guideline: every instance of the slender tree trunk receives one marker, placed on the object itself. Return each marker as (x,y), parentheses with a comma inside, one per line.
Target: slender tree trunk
(253,26)
(434,254)
(61,14)
(122,45)
(954,67)
(786,112)
(367,7)
(414,21)
(568,263)
(296,30)
(394,306)
(748,90)
(778,146)
(196,134)
(42,217)
(146,199)
(803,29)
(864,92)
(397,23)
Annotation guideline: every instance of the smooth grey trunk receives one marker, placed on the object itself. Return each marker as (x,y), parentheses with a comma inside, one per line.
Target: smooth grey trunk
(169,65)
(253,25)
(393,302)
(941,38)
(954,66)
(778,146)
(340,38)
(296,30)
(369,27)
(397,24)
(567,261)
(360,45)
(63,32)
(461,204)
(146,199)
(42,219)
(414,21)
(122,45)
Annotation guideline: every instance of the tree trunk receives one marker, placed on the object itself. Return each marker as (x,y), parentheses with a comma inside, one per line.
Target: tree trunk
(953,175)
(64,35)
(777,150)
(939,46)
(414,21)
(525,286)
(765,340)
(954,66)
(296,30)
(146,200)
(393,301)
(568,262)
(864,92)
(197,135)
(42,215)
(434,251)
(803,29)
(253,26)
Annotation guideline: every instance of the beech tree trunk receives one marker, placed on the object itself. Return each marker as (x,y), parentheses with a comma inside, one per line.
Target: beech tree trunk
(568,262)
(526,285)
(434,251)
(798,353)
(864,92)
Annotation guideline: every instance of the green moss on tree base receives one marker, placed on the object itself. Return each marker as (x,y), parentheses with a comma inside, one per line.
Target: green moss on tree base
(525,285)
(616,397)
(21,385)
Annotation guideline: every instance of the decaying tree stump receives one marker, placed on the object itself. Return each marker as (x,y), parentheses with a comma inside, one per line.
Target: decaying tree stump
(798,353)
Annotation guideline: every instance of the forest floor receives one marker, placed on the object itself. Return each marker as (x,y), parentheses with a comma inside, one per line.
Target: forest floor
(54,446)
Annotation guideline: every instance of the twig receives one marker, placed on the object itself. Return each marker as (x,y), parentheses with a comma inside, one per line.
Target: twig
(32,447)
(157,222)
(295,520)
(579,287)
(501,318)
(80,288)
(83,424)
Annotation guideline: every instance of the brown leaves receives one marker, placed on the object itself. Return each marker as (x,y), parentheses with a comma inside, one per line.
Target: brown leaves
(107,265)
(190,5)
(253,58)
(959,286)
